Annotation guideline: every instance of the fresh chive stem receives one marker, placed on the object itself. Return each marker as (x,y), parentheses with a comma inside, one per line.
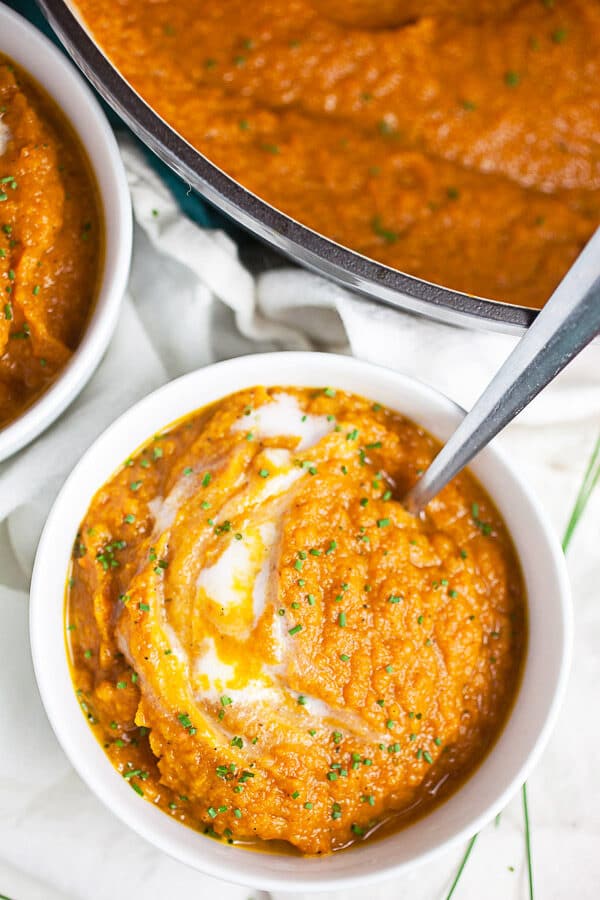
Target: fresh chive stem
(528,842)
(590,480)
(463,863)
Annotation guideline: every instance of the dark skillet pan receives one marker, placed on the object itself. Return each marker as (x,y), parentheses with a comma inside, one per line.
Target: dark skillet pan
(301,244)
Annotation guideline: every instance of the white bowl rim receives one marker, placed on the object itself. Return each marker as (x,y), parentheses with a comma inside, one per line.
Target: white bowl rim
(47,626)
(55,73)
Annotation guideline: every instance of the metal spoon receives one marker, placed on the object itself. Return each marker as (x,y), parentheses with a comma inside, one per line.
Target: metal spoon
(567,323)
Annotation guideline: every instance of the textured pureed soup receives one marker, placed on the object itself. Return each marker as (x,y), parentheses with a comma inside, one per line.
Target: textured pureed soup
(458,143)
(51,241)
(268,646)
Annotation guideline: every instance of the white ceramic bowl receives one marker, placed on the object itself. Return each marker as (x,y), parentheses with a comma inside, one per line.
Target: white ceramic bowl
(493,783)
(24,44)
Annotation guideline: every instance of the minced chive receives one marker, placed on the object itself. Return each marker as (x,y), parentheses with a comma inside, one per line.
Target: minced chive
(295,630)
(342,620)
(383,523)
(344,657)
(329,392)
(264,473)
(308,806)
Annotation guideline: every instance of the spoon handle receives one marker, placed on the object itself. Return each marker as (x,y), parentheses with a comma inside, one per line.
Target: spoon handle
(566,324)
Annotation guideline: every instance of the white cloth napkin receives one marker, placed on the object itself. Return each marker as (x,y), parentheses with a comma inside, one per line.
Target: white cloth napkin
(191,302)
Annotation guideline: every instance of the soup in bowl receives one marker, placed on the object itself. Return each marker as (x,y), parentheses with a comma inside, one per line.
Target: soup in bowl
(271,650)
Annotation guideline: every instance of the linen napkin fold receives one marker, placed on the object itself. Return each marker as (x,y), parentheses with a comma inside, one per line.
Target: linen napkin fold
(190,302)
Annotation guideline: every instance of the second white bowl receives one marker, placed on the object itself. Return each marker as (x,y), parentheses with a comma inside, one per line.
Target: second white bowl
(33,52)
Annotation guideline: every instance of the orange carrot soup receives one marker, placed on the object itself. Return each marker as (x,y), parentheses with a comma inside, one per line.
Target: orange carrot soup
(269,647)
(50,241)
(455,141)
